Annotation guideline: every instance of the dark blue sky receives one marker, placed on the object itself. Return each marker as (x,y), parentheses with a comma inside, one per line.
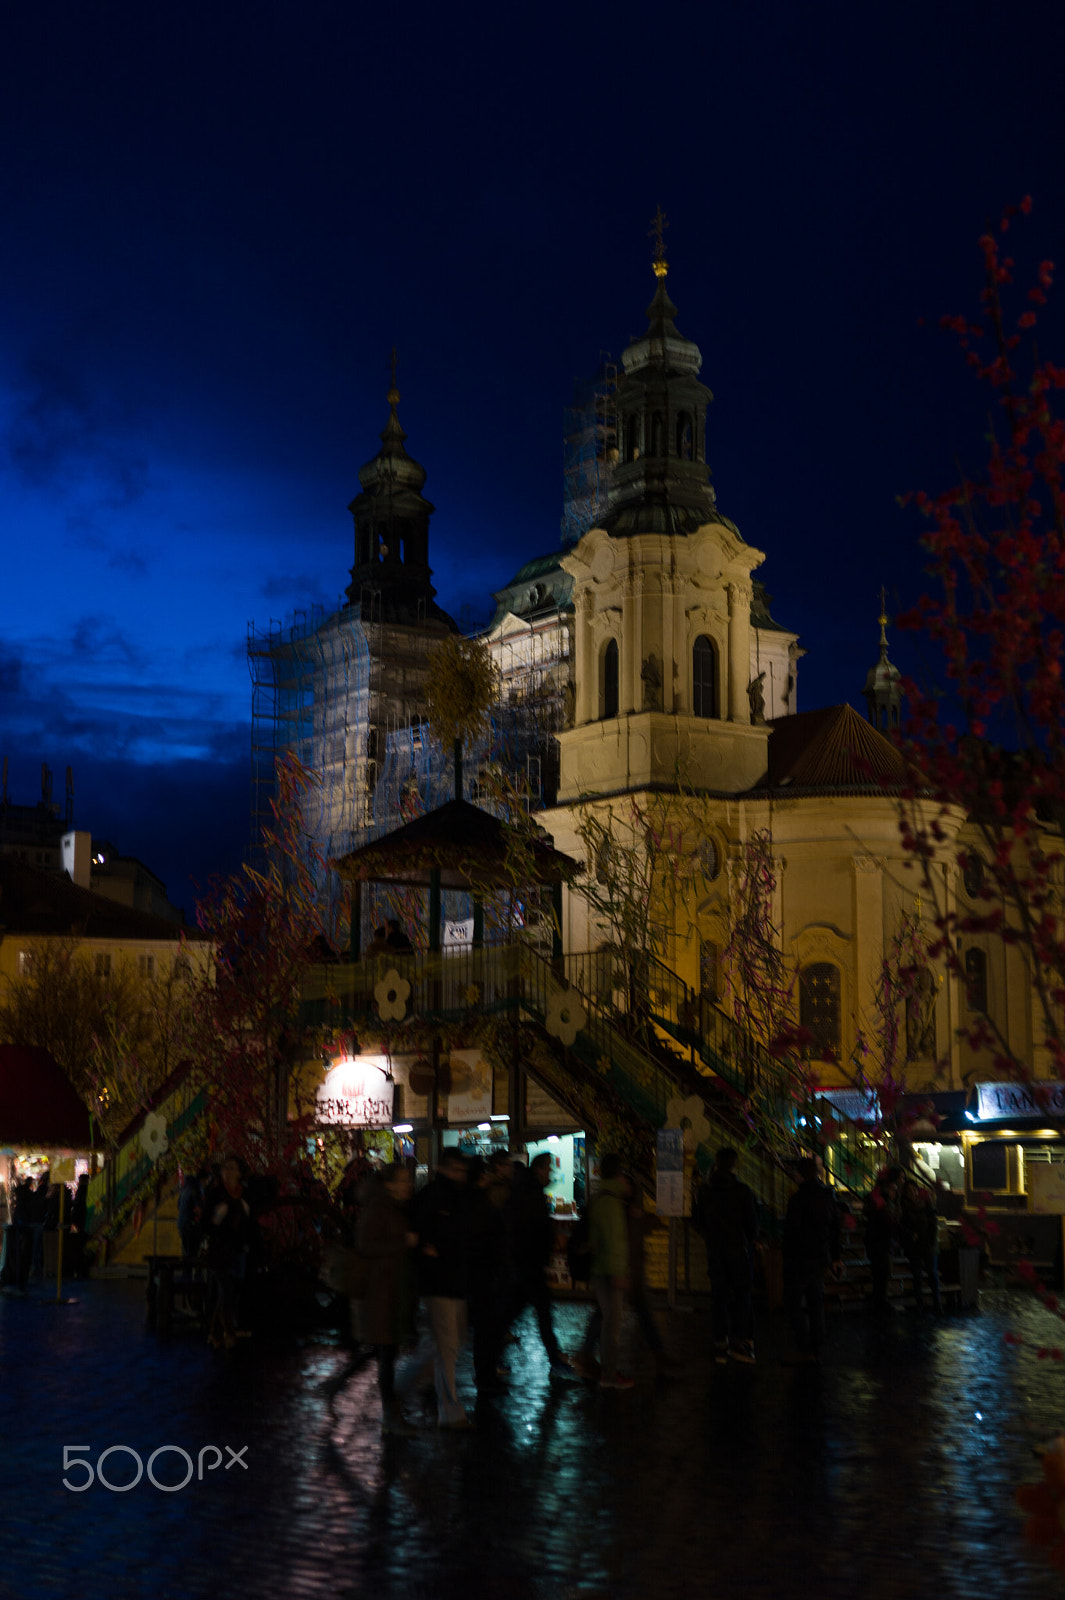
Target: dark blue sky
(217,219)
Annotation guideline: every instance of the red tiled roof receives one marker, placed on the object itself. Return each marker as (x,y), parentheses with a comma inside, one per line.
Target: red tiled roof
(38,1106)
(834,748)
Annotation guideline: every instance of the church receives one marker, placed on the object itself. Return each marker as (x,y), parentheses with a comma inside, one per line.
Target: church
(645,689)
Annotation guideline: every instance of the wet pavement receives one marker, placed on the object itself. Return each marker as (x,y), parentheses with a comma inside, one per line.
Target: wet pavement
(889,1473)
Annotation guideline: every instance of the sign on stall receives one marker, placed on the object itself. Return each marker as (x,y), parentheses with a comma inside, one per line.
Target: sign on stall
(1046,1187)
(356,1093)
(669,1198)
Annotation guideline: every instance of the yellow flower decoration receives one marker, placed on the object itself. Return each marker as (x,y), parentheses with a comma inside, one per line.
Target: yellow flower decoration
(392,994)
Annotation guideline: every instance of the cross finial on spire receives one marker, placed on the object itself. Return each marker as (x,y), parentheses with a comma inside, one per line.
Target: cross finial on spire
(883,623)
(657,233)
(393,392)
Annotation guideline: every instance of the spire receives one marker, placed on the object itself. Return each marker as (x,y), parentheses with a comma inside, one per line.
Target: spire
(392,525)
(661,482)
(883,690)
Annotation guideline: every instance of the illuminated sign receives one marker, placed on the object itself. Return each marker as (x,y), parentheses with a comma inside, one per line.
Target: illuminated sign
(996,1101)
(857,1105)
(356,1093)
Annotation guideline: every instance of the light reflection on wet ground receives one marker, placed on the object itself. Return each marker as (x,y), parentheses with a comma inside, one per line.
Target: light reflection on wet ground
(889,1473)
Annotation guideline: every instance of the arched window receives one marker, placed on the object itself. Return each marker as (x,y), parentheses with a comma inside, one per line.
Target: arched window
(704,678)
(976,979)
(609,692)
(632,439)
(819,991)
(685,436)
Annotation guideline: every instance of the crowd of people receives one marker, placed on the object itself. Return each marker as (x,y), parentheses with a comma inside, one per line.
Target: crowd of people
(473,1248)
(900,1216)
(36,1207)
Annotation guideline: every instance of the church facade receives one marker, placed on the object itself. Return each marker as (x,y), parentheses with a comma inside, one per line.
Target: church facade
(641,672)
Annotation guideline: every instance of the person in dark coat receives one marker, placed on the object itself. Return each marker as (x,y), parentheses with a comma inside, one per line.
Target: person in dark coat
(229,1233)
(385,1314)
(881,1215)
(489,1276)
(919,1237)
(532,1234)
(441,1219)
(727,1217)
(813,1241)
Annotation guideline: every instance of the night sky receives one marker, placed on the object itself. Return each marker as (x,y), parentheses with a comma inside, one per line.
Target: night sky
(218,219)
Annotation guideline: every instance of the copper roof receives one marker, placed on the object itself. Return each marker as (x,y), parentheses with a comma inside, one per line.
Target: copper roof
(831,749)
(468,846)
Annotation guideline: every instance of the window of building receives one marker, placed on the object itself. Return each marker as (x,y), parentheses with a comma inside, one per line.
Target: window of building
(709,859)
(973,875)
(657,431)
(819,1004)
(684,436)
(25,963)
(610,679)
(102,963)
(709,970)
(976,979)
(146,966)
(632,439)
(704,678)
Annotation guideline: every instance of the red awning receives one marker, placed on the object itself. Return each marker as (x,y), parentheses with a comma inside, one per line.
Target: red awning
(38,1107)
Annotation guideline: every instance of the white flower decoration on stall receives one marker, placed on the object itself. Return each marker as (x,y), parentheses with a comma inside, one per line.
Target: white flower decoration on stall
(565,1015)
(689,1115)
(392,994)
(153,1140)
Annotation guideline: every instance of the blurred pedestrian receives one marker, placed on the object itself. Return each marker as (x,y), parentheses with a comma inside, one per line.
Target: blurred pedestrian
(228,1217)
(609,1238)
(385,1312)
(812,1243)
(882,1216)
(532,1235)
(727,1217)
(919,1237)
(441,1220)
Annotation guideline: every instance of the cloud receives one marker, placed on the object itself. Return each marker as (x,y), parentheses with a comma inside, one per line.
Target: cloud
(293,591)
(11,671)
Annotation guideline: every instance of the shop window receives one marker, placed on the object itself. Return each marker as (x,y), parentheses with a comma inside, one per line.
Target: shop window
(921,1019)
(609,697)
(819,1004)
(976,979)
(704,677)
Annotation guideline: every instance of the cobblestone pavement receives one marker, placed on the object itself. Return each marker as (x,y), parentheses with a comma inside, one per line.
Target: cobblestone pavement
(889,1473)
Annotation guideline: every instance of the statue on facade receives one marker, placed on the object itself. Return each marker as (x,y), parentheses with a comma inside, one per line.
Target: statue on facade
(756,696)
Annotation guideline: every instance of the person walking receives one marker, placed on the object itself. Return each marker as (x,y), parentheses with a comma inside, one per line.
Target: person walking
(609,1239)
(812,1243)
(229,1233)
(441,1220)
(727,1217)
(881,1214)
(919,1237)
(385,1313)
(531,1238)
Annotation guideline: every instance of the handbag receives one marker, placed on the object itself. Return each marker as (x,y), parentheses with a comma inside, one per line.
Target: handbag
(345,1271)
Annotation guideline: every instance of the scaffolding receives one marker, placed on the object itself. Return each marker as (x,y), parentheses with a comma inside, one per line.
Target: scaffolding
(590,451)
